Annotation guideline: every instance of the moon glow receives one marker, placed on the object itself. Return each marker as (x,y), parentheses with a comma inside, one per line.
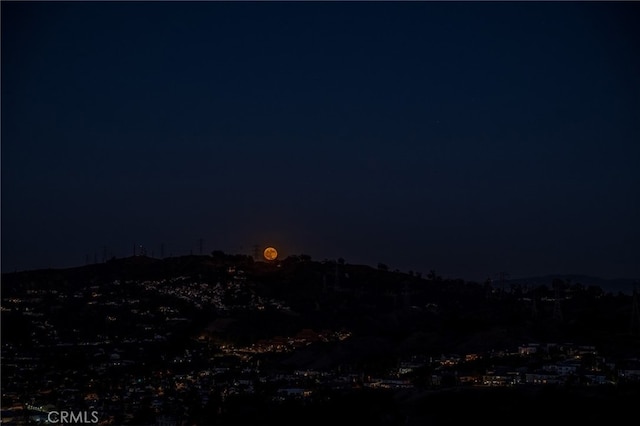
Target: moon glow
(270,253)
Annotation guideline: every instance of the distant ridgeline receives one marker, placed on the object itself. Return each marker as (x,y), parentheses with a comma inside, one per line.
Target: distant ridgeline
(613,286)
(144,267)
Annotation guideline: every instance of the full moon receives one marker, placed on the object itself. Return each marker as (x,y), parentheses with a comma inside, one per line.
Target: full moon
(270,253)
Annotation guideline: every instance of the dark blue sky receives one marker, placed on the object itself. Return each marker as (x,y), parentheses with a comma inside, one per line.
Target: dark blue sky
(468,138)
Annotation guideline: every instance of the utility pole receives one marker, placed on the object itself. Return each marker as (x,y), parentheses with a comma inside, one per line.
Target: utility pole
(557,309)
(502,277)
(635,313)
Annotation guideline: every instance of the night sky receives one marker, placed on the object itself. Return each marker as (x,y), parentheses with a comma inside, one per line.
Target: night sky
(466,138)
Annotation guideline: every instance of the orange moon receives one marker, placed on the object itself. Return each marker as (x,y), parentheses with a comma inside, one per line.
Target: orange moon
(270,253)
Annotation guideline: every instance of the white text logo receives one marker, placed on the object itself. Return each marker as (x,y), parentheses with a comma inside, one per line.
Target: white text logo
(70,417)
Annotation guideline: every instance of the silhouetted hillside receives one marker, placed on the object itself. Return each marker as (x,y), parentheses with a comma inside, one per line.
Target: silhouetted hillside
(405,311)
